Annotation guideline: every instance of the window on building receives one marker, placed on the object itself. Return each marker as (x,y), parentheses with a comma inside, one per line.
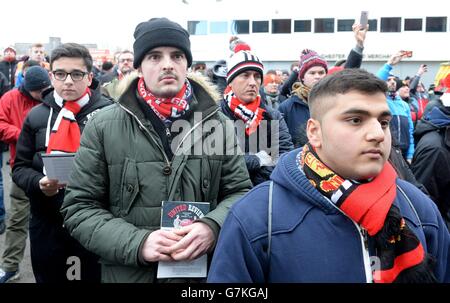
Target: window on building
(413,24)
(197,27)
(240,27)
(373,25)
(302,26)
(260,26)
(345,25)
(324,25)
(218,27)
(391,25)
(436,24)
(281,26)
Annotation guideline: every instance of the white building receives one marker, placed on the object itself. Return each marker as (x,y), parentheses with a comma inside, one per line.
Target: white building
(278,30)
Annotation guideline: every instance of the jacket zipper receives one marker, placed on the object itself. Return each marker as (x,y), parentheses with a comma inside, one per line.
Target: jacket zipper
(193,128)
(364,245)
(168,162)
(142,127)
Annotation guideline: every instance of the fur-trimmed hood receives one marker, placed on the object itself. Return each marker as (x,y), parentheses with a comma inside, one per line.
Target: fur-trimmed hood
(201,80)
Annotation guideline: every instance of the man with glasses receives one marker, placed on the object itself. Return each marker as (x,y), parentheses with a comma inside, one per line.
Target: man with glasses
(124,68)
(55,127)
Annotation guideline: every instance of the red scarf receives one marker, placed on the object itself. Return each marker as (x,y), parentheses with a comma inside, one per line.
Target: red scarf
(371,206)
(65,135)
(251,113)
(167,108)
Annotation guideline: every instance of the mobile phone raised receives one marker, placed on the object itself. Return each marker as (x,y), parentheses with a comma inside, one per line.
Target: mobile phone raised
(364,19)
(408,54)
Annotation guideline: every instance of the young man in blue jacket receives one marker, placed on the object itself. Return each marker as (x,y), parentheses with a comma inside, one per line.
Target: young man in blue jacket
(337,204)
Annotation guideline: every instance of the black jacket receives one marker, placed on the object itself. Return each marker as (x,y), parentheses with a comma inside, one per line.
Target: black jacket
(431,162)
(4,84)
(28,165)
(50,241)
(259,174)
(9,70)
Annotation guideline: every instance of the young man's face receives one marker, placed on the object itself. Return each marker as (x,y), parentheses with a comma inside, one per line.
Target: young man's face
(9,53)
(391,84)
(70,89)
(353,136)
(404,92)
(246,85)
(37,54)
(314,75)
(164,70)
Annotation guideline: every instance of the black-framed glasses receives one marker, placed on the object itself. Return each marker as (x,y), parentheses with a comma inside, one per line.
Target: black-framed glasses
(76,75)
(126,60)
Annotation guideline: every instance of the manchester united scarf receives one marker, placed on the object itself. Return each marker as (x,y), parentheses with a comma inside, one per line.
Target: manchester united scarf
(370,204)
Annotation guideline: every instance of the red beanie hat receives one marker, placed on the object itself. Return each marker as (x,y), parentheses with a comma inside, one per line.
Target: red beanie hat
(308,59)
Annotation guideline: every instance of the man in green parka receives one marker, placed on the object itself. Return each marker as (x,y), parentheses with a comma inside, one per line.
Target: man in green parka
(164,140)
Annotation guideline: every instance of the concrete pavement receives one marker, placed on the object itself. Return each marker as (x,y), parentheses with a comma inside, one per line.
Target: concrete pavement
(26,272)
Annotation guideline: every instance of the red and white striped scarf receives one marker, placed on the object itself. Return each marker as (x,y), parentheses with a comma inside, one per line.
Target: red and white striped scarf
(167,109)
(65,135)
(251,113)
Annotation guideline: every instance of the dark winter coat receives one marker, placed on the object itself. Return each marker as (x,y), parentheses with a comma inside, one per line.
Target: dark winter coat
(122,174)
(311,239)
(51,243)
(296,113)
(431,162)
(259,174)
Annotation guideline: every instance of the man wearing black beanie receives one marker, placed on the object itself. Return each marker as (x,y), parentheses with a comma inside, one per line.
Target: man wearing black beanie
(148,148)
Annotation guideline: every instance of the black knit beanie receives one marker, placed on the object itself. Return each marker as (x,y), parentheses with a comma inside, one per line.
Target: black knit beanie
(160,32)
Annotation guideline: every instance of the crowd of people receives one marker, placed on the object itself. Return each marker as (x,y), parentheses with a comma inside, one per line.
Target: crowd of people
(317,174)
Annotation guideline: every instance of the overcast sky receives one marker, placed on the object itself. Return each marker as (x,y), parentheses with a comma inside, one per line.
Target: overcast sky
(110,23)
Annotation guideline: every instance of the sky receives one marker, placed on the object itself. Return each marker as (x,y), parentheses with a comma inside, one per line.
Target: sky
(111,23)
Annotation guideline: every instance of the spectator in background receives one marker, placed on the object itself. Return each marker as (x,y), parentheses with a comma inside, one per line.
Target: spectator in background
(125,67)
(8,66)
(199,67)
(262,133)
(431,162)
(272,96)
(14,107)
(218,75)
(312,69)
(107,73)
(36,53)
(402,126)
(418,92)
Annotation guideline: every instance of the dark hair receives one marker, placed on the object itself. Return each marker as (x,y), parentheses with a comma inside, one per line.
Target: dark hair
(107,65)
(30,63)
(72,50)
(344,81)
